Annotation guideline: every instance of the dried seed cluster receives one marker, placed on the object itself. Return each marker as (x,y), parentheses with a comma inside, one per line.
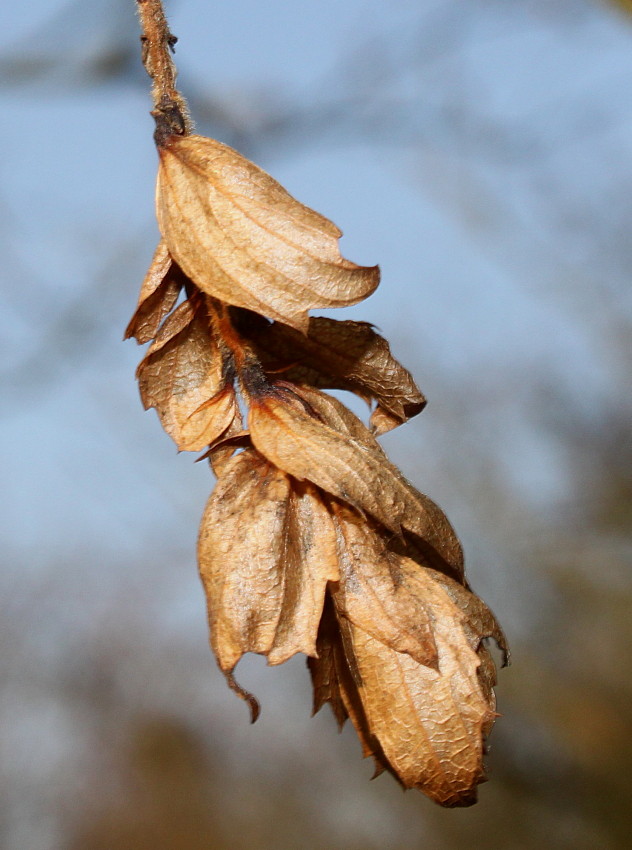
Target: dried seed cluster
(312,541)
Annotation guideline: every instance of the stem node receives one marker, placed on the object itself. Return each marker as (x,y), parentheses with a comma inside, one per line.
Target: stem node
(170,110)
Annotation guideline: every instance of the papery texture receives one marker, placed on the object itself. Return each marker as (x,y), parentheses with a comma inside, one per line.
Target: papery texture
(243,239)
(312,541)
(426,724)
(158,295)
(266,552)
(182,376)
(347,356)
(347,465)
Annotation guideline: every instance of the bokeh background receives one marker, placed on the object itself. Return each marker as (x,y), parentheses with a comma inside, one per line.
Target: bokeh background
(481,152)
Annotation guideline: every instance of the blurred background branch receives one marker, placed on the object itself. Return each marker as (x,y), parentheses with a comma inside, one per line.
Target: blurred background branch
(481,153)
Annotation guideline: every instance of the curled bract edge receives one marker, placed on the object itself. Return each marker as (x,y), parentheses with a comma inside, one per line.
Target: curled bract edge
(312,542)
(393,644)
(243,239)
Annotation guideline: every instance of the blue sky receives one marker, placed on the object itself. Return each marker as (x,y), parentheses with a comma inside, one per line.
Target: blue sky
(473,236)
(499,225)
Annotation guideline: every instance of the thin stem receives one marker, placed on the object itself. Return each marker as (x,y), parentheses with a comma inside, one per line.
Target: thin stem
(249,371)
(170,109)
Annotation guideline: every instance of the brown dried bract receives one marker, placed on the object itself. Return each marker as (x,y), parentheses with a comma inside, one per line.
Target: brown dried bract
(267,549)
(345,356)
(428,722)
(286,428)
(243,239)
(312,542)
(184,377)
(400,655)
(158,294)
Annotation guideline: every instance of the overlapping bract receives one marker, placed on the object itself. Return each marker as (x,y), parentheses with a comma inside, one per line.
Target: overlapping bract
(312,541)
(243,239)
(344,356)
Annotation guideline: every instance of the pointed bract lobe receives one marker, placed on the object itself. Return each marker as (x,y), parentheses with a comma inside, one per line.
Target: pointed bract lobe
(293,435)
(222,449)
(242,238)
(380,591)
(335,680)
(324,667)
(312,541)
(478,620)
(266,552)
(158,295)
(344,355)
(429,723)
(427,726)
(182,377)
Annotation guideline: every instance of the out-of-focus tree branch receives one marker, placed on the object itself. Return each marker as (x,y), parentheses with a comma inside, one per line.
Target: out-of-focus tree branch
(626,5)
(88,43)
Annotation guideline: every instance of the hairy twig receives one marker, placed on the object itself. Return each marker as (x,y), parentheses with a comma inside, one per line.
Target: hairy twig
(170,109)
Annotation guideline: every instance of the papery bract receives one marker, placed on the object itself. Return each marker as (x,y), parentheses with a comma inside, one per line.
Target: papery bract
(182,376)
(312,542)
(349,466)
(348,356)
(243,239)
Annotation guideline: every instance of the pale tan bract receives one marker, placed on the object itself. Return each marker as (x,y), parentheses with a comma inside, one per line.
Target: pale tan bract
(392,644)
(266,551)
(158,295)
(312,542)
(243,239)
(423,722)
(429,723)
(181,377)
(345,355)
(349,467)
